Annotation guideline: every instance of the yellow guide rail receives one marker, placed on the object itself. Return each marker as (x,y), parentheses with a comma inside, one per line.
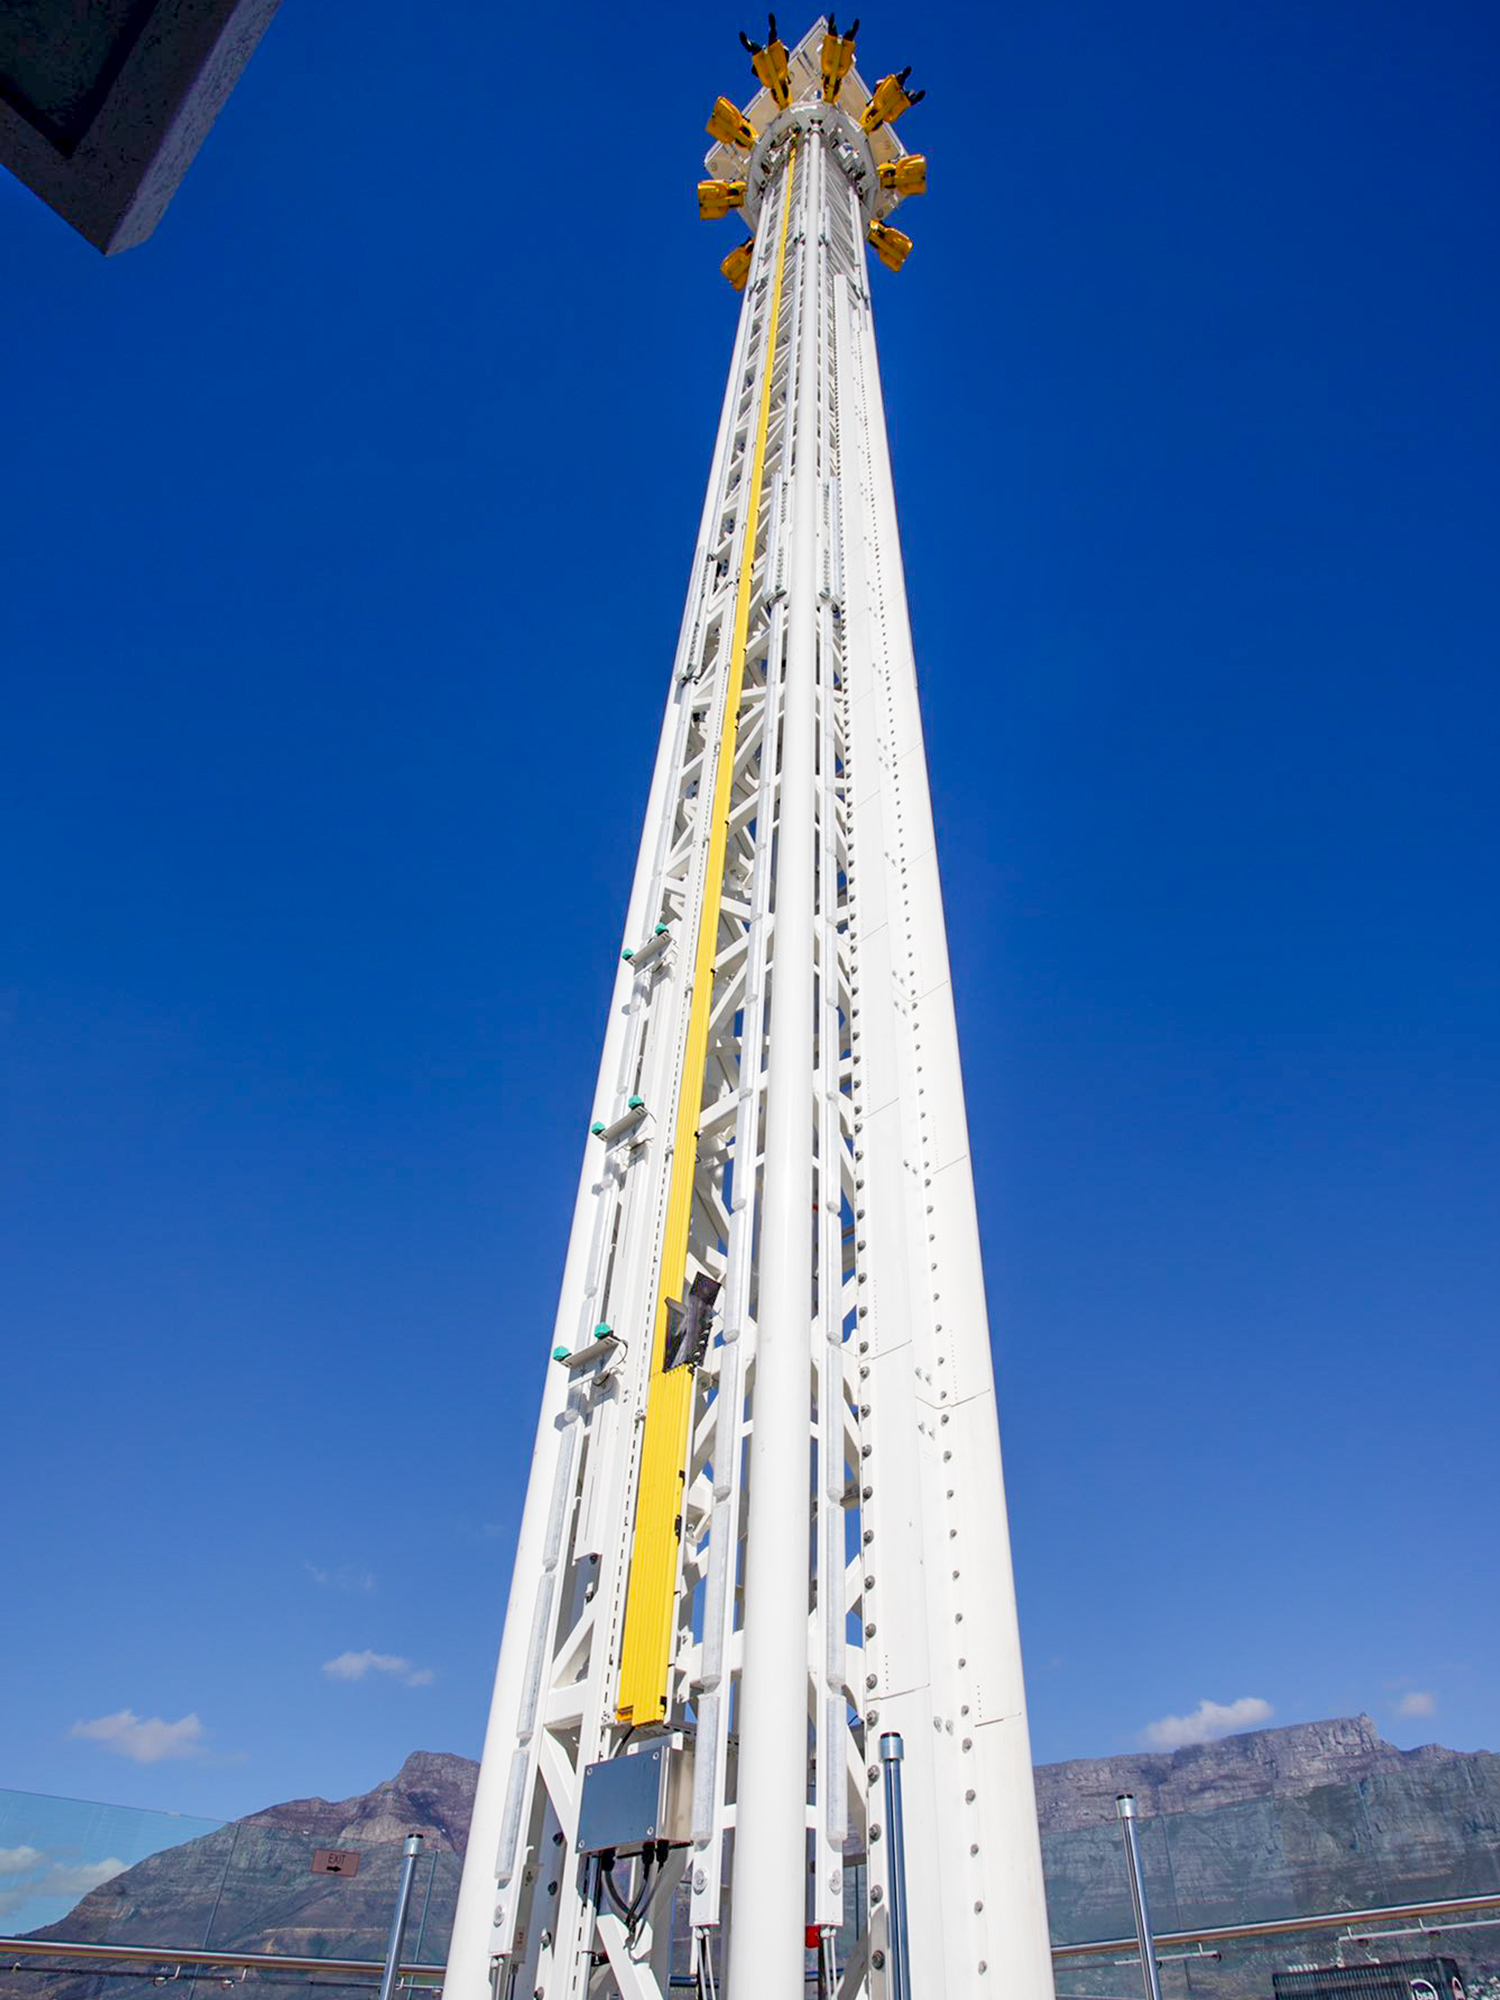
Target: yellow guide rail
(652,1588)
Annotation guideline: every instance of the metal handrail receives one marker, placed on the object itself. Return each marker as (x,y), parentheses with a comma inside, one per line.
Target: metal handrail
(226,1961)
(1456,1906)
(1323,1920)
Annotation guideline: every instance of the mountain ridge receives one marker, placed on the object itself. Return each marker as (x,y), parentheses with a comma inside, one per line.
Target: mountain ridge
(1262,1825)
(1291,1759)
(433,1792)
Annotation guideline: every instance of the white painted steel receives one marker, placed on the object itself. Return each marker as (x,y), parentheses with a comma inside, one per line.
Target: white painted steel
(844,1564)
(945,1650)
(770,1867)
(486,1927)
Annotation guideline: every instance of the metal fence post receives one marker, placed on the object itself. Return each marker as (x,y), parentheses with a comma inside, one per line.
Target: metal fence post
(1125,1807)
(388,1977)
(891,1751)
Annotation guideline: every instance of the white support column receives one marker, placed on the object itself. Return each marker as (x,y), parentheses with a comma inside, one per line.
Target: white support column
(770,1868)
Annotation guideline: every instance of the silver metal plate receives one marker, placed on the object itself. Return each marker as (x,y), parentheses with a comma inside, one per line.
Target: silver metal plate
(621,1804)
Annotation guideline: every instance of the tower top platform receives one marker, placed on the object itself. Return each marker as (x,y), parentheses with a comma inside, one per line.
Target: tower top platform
(804,78)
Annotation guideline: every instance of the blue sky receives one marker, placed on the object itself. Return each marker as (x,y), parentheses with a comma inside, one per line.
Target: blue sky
(345,534)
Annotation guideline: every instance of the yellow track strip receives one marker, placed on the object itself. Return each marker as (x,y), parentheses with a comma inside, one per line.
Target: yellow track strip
(652,1589)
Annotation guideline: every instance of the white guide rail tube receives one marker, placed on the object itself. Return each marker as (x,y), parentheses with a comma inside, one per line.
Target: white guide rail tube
(770,1868)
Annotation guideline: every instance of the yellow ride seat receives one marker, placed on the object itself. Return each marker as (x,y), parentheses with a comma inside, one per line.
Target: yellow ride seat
(908,175)
(771,65)
(837,58)
(729,125)
(892,246)
(736,266)
(716,198)
(888,100)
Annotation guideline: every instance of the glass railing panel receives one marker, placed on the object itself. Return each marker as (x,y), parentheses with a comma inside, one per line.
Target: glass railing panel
(57,1855)
(271,1900)
(1088,1888)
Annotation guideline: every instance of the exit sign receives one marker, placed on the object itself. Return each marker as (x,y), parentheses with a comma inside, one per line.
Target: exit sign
(335,1861)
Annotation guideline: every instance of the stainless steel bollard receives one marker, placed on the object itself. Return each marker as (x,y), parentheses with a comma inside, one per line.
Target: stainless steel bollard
(891,1751)
(397,1938)
(1150,1978)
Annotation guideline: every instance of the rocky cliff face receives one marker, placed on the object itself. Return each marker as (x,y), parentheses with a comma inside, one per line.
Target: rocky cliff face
(432,1794)
(1261,1764)
(1281,1822)
(1277,1823)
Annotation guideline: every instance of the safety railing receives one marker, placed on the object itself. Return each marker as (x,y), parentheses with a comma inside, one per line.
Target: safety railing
(166,1963)
(1430,1922)
(95,1876)
(264,1902)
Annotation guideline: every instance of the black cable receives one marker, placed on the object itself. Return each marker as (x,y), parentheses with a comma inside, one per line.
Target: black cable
(607,1877)
(638,1901)
(653,1853)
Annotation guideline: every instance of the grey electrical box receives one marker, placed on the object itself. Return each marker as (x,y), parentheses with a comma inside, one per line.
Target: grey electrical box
(628,1802)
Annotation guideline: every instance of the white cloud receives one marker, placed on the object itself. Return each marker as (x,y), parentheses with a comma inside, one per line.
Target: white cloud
(348,1576)
(149,1742)
(1208,1721)
(62,1879)
(354,1667)
(16,1860)
(1417,1701)
(79,1880)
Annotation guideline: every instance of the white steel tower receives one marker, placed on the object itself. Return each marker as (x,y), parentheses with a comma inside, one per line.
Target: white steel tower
(764,1547)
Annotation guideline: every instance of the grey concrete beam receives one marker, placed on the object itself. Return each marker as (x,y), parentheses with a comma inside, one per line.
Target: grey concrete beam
(103,103)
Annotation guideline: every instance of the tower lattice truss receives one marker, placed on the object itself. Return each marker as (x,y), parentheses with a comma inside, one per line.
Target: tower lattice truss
(764,1547)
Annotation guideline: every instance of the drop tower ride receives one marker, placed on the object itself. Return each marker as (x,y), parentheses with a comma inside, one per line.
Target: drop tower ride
(760,1682)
